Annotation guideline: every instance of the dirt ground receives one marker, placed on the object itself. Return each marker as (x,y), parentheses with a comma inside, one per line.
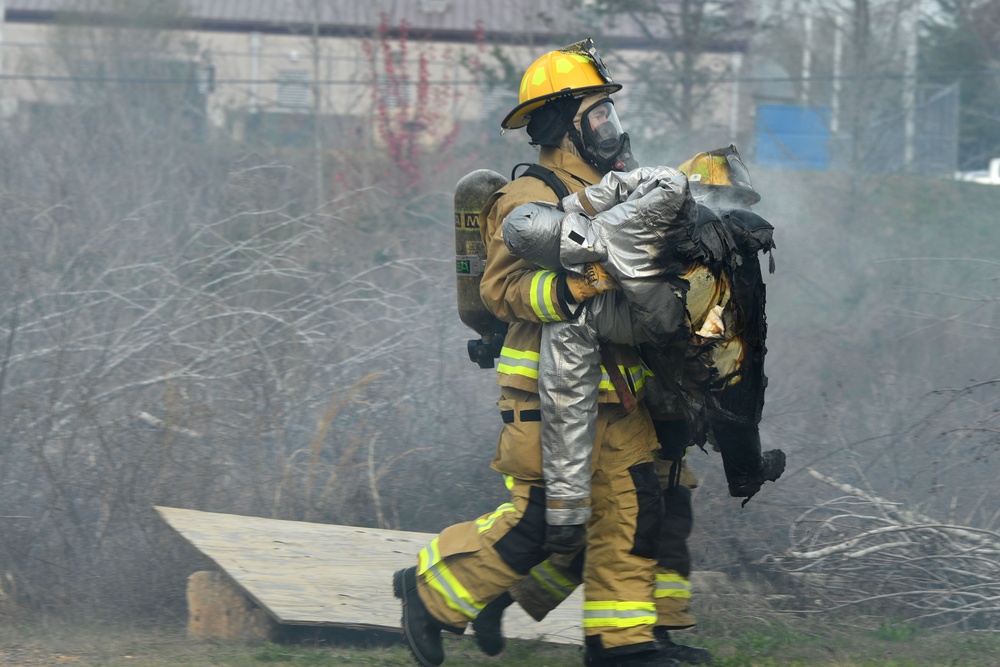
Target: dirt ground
(25,656)
(735,642)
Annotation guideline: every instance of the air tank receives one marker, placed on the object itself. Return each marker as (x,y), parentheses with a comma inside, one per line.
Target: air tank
(471,193)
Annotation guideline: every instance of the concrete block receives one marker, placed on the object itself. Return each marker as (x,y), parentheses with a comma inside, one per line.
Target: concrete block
(219,609)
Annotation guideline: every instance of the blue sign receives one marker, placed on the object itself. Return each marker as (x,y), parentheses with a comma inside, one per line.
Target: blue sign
(791,136)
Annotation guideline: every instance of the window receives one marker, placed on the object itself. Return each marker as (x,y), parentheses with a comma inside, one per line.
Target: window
(394,90)
(393,93)
(294,89)
(433,6)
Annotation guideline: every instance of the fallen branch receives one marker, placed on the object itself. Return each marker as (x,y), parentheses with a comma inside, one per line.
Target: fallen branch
(863,549)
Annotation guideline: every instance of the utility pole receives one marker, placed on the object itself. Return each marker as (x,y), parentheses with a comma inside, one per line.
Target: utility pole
(838,55)
(255,38)
(3,18)
(317,112)
(807,38)
(911,32)
(734,102)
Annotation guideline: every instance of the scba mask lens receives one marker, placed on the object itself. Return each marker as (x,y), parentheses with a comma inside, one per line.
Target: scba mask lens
(602,131)
(604,140)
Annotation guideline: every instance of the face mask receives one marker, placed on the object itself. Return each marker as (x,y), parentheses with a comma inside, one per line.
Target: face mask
(604,142)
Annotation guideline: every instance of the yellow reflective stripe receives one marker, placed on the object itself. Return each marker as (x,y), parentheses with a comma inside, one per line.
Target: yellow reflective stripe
(672,586)
(484,523)
(428,556)
(439,577)
(455,595)
(541,296)
(637,374)
(613,614)
(525,362)
(518,362)
(508,481)
(553,581)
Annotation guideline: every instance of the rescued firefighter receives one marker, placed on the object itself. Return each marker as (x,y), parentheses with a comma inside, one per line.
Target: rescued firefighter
(722,299)
(566,107)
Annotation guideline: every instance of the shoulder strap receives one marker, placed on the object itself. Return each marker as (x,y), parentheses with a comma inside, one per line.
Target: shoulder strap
(545,175)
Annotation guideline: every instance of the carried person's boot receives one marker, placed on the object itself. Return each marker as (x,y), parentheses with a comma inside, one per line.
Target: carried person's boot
(489,631)
(596,655)
(692,655)
(421,630)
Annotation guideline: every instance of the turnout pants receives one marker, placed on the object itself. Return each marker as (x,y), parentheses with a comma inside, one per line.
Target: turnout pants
(553,580)
(471,563)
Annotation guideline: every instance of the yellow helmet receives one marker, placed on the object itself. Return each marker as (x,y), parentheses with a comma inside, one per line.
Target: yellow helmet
(572,71)
(720,170)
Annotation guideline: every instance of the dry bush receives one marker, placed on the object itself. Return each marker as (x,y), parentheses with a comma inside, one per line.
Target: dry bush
(181,328)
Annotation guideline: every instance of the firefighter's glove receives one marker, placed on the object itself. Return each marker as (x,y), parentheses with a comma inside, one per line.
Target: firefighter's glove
(772,464)
(674,437)
(746,467)
(565,539)
(595,280)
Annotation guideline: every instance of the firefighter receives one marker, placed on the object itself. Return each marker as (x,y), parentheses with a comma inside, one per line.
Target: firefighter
(726,363)
(565,105)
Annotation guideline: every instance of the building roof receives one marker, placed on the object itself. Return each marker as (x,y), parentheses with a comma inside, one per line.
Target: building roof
(492,21)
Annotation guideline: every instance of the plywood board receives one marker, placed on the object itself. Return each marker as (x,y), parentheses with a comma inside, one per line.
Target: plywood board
(321,574)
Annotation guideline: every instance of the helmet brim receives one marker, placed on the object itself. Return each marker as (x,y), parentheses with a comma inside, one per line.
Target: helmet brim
(521,114)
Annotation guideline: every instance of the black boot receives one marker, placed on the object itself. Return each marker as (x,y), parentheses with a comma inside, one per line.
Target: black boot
(692,655)
(421,630)
(489,632)
(648,655)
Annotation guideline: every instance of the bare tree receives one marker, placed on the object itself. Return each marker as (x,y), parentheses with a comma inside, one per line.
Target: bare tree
(180,328)
(674,83)
(856,58)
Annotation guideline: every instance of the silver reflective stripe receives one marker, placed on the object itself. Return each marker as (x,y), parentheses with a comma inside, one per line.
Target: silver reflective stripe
(549,582)
(672,588)
(515,362)
(540,300)
(445,588)
(638,376)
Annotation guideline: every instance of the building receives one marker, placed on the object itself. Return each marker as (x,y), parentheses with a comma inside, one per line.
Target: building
(250,65)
